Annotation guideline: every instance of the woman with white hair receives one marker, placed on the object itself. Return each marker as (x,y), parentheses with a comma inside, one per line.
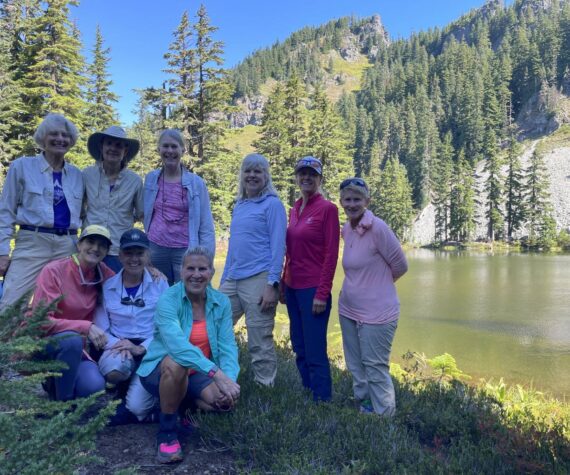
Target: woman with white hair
(255,258)
(43,196)
(113,194)
(177,213)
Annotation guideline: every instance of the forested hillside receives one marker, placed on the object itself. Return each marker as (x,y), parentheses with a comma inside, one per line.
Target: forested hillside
(438,118)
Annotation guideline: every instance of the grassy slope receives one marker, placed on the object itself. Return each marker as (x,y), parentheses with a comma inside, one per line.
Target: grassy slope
(439,428)
(241,140)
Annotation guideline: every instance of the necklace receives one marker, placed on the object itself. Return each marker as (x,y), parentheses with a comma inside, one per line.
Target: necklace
(165,202)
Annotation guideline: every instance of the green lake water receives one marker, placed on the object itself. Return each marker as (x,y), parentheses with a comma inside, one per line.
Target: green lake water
(504,315)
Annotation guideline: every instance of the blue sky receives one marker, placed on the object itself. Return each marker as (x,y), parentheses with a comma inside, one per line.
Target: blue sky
(139,32)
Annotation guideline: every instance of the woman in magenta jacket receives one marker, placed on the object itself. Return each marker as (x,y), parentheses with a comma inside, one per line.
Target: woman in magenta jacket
(312,251)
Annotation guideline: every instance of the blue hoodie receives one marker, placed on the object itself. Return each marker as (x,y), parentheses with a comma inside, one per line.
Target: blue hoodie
(257,239)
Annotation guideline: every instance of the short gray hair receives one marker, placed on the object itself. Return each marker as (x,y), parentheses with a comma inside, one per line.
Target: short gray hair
(52,122)
(172,134)
(198,251)
(255,160)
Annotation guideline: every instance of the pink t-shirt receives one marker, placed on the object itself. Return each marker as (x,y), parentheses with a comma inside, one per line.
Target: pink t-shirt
(312,246)
(169,223)
(372,260)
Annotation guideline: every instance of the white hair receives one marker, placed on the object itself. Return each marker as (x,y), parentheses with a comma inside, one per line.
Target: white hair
(53,122)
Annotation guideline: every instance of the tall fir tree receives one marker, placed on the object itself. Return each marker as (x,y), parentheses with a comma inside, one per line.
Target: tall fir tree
(514,198)
(392,200)
(273,142)
(441,183)
(101,112)
(328,142)
(540,223)
(462,203)
(55,76)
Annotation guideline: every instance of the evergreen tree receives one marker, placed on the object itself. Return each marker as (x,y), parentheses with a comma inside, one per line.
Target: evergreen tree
(54,79)
(199,92)
(442,180)
(393,198)
(514,199)
(295,126)
(540,223)
(101,112)
(273,142)
(462,201)
(493,163)
(328,142)
(213,90)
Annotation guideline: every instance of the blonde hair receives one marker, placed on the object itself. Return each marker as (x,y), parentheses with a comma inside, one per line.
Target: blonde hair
(258,161)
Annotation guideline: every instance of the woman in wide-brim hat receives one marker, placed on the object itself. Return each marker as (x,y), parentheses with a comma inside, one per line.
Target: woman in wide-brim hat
(113,194)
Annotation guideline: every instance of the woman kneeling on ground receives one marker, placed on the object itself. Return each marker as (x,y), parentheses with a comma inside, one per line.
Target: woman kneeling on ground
(368,306)
(127,317)
(77,280)
(193,356)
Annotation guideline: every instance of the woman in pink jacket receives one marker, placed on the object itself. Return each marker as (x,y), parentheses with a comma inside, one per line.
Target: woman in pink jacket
(368,305)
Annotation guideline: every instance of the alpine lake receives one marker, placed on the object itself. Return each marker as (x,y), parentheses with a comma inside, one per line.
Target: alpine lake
(503,315)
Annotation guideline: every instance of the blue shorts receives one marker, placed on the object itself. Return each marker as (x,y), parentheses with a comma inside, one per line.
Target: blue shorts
(196,383)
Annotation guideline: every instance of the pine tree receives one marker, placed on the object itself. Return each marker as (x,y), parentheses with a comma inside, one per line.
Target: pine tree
(273,142)
(54,80)
(540,223)
(295,116)
(462,201)
(441,184)
(392,200)
(328,142)
(101,112)
(213,90)
(199,91)
(514,199)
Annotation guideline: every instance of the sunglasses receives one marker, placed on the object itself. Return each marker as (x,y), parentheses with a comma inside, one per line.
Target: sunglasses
(84,281)
(138,302)
(353,181)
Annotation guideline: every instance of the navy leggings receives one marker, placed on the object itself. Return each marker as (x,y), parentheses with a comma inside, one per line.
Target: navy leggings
(309,341)
(81,378)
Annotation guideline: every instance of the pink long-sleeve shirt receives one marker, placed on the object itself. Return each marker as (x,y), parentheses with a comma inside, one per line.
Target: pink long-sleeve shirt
(372,260)
(312,246)
(75,310)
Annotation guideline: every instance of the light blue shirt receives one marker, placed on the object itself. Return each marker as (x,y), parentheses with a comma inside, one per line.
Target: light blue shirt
(173,326)
(257,239)
(120,321)
(27,196)
(200,223)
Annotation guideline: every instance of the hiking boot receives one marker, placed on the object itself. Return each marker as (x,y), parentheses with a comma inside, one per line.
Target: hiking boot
(48,386)
(366,407)
(169,449)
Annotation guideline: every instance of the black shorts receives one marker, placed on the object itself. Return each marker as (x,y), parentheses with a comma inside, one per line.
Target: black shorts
(196,383)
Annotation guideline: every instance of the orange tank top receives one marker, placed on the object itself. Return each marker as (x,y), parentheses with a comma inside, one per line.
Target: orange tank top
(199,338)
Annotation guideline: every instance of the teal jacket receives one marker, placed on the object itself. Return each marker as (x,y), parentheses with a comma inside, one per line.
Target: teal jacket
(172,327)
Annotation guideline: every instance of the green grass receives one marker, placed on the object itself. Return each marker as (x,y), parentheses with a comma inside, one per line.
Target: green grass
(441,426)
(560,138)
(241,140)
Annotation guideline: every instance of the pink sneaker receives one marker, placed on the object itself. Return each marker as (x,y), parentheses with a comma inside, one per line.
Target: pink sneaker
(169,452)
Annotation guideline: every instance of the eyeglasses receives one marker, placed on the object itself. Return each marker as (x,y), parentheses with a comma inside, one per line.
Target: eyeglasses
(353,181)
(138,302)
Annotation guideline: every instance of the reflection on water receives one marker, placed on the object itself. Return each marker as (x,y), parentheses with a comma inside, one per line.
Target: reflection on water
(505,315)
(502,315)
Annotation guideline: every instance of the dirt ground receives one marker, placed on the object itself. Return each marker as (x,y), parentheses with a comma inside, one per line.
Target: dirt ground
(133,446)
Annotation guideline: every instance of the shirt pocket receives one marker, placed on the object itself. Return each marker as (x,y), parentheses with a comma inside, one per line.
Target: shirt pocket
(35,197)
